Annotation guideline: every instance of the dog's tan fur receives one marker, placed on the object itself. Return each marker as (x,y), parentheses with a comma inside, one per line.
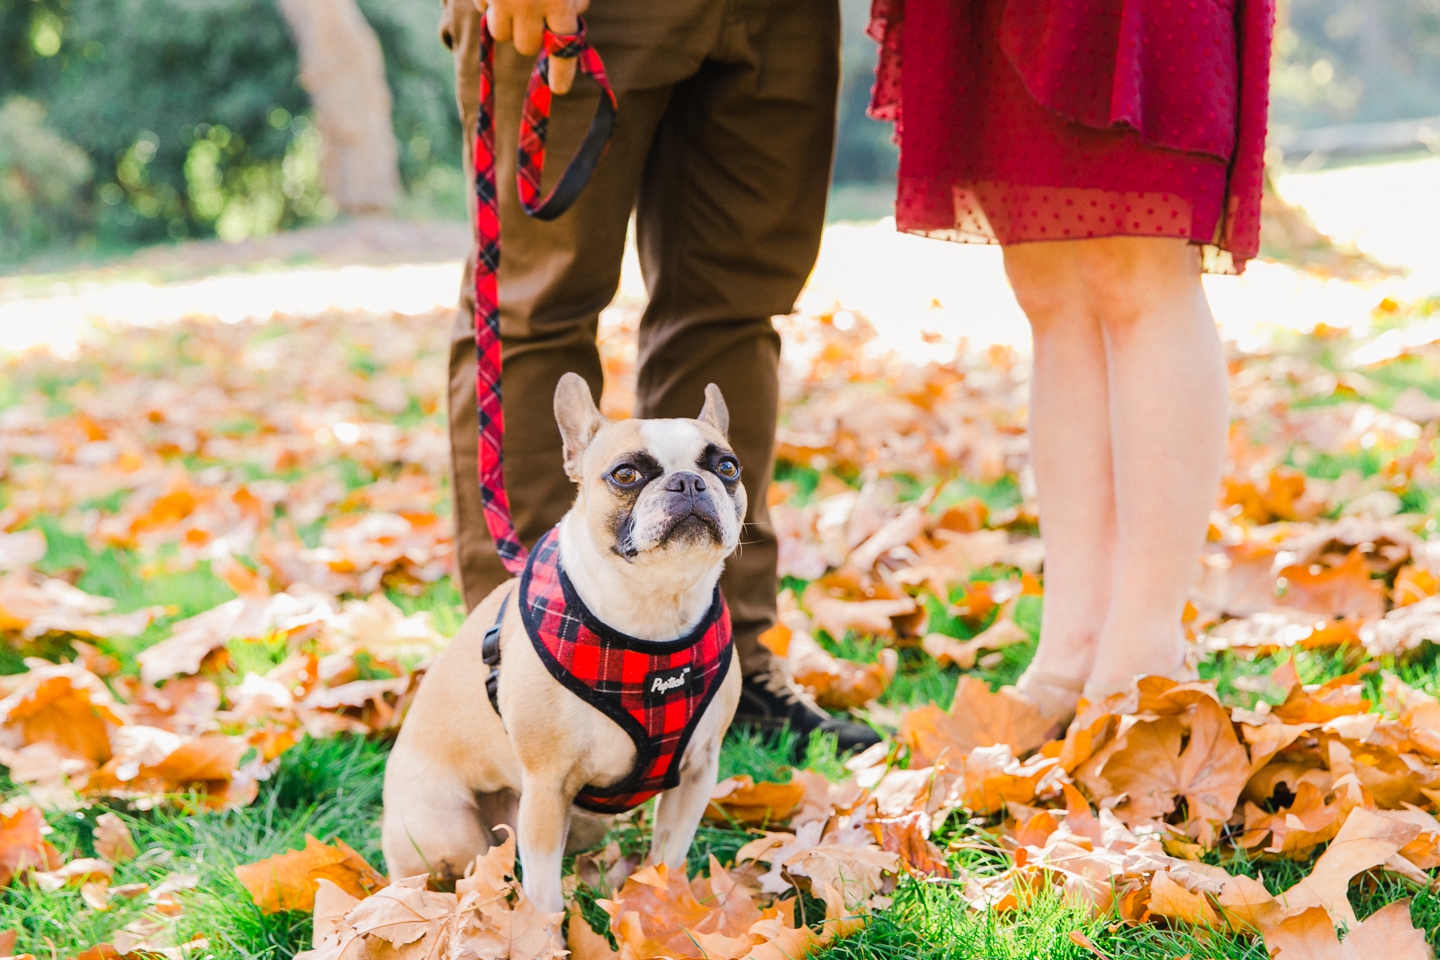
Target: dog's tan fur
(456,770)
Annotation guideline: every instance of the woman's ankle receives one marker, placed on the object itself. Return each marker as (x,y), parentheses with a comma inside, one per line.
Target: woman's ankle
(1069,655)
(1119,660)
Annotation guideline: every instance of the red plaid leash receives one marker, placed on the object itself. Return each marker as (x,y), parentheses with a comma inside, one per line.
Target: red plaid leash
(534,124)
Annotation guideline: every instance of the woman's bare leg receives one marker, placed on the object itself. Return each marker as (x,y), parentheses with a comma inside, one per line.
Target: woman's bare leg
(1128,426)
(1070,454)
(1168,421)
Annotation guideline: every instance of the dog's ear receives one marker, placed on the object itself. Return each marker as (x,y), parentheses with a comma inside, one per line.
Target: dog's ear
(715,412)
(579,419)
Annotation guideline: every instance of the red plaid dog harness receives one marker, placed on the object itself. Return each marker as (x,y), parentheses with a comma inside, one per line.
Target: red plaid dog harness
(656,691)
(534,124)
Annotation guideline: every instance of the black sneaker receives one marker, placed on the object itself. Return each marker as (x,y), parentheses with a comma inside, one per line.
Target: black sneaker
(771,701)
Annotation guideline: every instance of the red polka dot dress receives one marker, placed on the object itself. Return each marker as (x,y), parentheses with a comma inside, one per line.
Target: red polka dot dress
(1025,120)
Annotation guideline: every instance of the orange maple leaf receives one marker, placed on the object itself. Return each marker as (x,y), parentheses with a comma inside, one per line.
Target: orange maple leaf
(1297,829)
(66,705)
(1366,839)
(23,846)
(1310,935)
(288,881)
(977,718)
(743,801)
(1342,591)
(1152,770)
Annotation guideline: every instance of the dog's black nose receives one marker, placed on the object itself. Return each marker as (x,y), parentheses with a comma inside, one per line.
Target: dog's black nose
(690,484)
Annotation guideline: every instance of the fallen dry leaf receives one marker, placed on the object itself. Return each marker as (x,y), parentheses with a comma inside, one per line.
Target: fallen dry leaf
(652,913)
(1153,772)
(1247,905)
(1342,591)
(23,846)
(857,872)
(977,718)
(65,705)
(1174,902)
(836,684)
(488,917)
(838,617)
(1003,633)
(907,837)
(288,880)
(1085,943)
(585,944)
(113,842)
(1294,830)
(1366,840)
(742,801)
(1310,935)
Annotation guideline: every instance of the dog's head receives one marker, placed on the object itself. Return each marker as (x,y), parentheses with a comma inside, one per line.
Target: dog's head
(653,491)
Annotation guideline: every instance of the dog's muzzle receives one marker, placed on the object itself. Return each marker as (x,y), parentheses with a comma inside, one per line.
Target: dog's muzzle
(689,509)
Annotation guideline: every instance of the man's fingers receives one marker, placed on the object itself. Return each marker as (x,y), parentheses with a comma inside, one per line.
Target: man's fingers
(479,5)
(562,74)
(563,22)
(529,32)
(501,26)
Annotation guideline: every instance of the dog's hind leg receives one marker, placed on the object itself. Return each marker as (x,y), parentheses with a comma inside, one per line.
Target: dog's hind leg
(432,823)
(586,830)
(680,808)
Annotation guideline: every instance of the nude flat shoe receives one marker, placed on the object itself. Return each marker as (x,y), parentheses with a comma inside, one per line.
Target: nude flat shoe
(1054,695)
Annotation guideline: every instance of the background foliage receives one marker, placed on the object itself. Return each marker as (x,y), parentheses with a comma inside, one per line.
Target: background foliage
(194,124)
(192,114)
(1341,61)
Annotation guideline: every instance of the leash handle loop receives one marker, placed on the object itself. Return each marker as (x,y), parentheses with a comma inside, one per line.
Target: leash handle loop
(535,122)
(534,125)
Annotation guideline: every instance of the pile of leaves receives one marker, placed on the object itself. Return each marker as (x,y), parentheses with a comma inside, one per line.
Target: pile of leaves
(221,542)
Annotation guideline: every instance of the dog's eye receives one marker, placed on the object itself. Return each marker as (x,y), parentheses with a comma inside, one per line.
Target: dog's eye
(625,475)
(727,469)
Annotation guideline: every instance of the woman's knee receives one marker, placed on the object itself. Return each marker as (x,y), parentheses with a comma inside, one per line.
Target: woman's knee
(1044,280)
(1123,280)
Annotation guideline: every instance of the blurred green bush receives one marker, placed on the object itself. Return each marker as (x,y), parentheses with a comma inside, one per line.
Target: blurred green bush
(41,178)
(192,116)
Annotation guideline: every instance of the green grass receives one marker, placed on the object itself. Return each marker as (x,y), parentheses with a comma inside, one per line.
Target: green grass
(121,576)
(440,599)
(930,921)
(331,789)
(327,788)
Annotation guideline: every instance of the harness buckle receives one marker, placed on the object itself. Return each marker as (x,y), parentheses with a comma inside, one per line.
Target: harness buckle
(490,653)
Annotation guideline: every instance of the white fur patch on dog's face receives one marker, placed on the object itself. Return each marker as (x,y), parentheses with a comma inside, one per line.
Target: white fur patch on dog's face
(677,443)
(663,489)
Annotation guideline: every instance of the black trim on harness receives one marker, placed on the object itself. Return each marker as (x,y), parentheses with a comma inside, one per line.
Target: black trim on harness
(490,653)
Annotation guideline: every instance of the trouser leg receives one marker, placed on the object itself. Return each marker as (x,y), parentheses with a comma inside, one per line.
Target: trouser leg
(730,214)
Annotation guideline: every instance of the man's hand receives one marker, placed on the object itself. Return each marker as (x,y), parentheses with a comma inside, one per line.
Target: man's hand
(524,21)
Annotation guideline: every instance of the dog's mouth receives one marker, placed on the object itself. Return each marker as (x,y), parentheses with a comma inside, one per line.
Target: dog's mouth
(697,523)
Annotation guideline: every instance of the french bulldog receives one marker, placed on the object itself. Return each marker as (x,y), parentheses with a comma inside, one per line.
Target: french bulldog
(659,508)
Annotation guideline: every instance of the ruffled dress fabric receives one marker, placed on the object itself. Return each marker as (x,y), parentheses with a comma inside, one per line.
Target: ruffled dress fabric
(1037,120)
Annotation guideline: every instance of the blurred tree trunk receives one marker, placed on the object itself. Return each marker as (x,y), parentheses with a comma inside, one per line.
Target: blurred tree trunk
(343,71)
